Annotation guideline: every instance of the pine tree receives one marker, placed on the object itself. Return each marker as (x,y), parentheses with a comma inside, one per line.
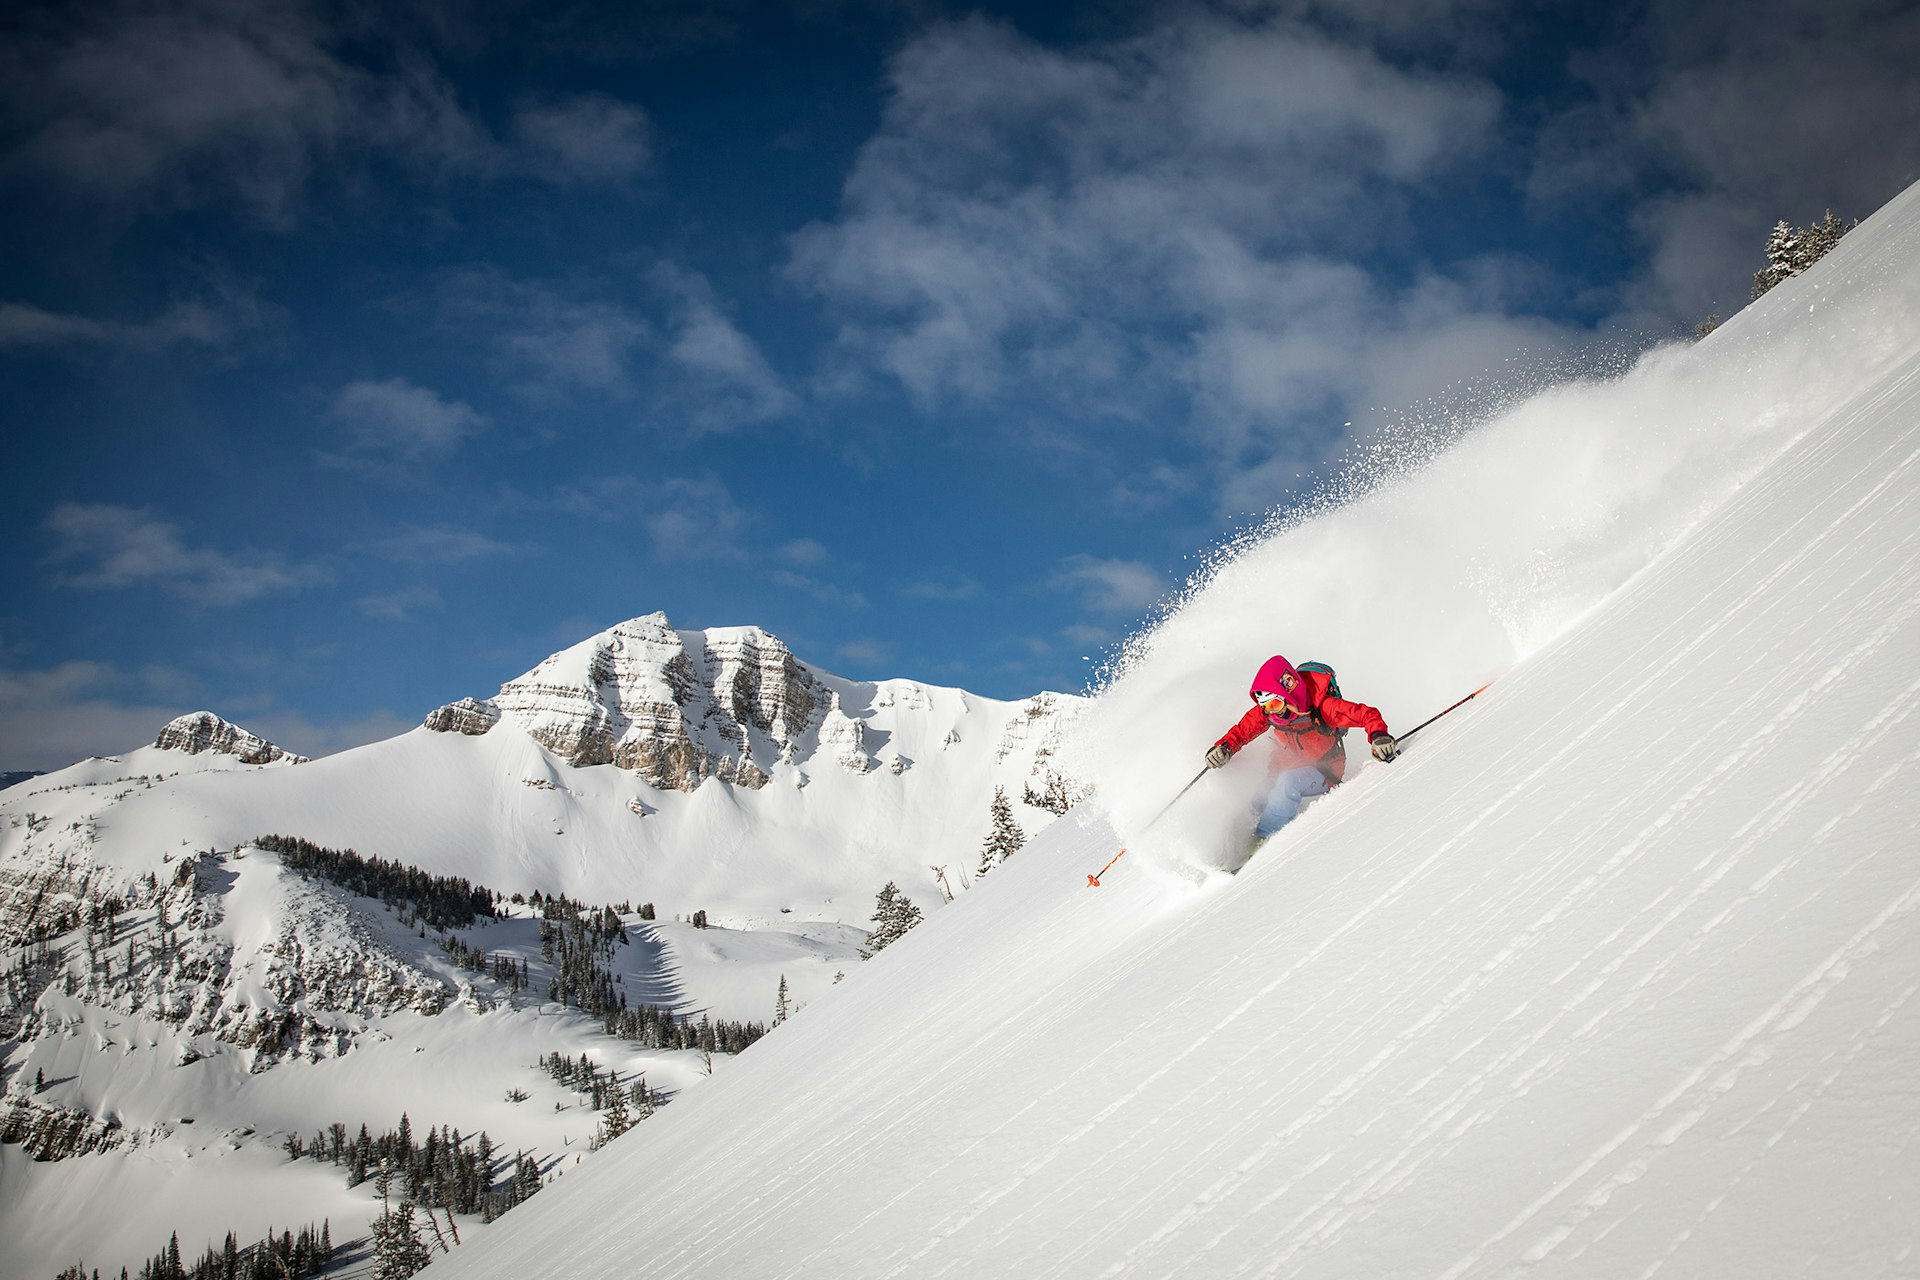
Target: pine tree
(1791,250)
(893,915)
(398,1250)
(781,1009)
(1821,237)
(617,1119)
(1783,255)
(1005,836)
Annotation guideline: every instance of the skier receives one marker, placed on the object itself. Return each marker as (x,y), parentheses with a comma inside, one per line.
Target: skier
(1306,719)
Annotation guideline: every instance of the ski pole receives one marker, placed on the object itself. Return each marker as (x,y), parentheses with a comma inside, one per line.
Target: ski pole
(1430,719)
(1093,881)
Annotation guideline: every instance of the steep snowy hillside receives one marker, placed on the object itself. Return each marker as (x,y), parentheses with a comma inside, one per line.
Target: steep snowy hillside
(1614,974)
(179,1001)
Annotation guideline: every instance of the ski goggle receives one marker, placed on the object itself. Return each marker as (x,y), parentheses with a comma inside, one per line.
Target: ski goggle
(1276,705)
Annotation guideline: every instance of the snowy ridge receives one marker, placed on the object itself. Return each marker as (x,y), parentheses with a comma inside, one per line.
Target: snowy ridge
(1612,975)
(178,1004)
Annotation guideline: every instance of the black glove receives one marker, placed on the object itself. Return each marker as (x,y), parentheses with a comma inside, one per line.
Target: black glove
(1218,755)
(1384,747)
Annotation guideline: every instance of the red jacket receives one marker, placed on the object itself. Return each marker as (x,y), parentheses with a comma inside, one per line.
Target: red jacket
(1312,740)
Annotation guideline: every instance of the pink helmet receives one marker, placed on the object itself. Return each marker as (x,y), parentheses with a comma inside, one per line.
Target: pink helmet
(1268,681)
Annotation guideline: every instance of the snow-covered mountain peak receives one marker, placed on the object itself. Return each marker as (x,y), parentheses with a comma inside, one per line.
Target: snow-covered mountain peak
(204,731)
(676,707)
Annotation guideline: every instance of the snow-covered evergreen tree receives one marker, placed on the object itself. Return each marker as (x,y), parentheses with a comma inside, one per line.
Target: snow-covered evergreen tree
(1783,256)
(782,1007)
(618,1119)
(893,914)
(1791,250)
(1004,837)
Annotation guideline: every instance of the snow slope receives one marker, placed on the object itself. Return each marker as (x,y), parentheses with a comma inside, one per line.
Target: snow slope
(1614,974)
(232,1003)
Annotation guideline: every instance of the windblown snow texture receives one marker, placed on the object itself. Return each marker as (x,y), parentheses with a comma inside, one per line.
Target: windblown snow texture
(1615,975)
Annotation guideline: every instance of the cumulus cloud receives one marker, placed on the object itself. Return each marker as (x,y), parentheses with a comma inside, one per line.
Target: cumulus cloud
(101,546)
(209,101)
(803,551)
(1159,224)
(727,381)
(661,336)
(556,338)
(692,518)
(1738,117)
(54,716)
(222,315)
(1116,587)
(587,138)
(394,423)
(818,589)
(435,544)
(399,606)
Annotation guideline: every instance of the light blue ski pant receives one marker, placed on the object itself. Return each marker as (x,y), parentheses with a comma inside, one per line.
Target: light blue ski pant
(1290,790)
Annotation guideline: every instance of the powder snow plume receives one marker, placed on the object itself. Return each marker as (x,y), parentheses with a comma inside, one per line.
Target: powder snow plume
(1441,557)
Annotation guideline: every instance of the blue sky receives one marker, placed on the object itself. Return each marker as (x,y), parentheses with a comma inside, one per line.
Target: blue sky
(351,363)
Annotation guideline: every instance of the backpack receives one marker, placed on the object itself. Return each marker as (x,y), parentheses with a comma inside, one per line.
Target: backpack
(1333,681)
(1333,690)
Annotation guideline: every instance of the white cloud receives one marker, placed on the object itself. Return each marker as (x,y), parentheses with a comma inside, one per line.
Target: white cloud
(661,335)
(1746,115)
(1123,229)
(202,101)
(393,423)
(435,544)
(1118,587)
(207,100)
(24,325)
(399,606)
(825,592)
(558,338)
(100,546)
(53,717)
(223,314)
(962,588)
(727,380)
(579,342)
(586,138)
(692,519)
(803,551)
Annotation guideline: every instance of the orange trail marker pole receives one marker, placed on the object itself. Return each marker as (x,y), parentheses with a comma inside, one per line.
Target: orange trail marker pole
(1093,881)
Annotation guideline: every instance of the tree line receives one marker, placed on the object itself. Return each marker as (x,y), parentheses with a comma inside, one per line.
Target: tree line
(445,902)
(282,1256)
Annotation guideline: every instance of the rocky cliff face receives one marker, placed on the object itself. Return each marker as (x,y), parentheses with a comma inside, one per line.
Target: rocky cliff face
(205,731)
(675,707)
(301,982)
